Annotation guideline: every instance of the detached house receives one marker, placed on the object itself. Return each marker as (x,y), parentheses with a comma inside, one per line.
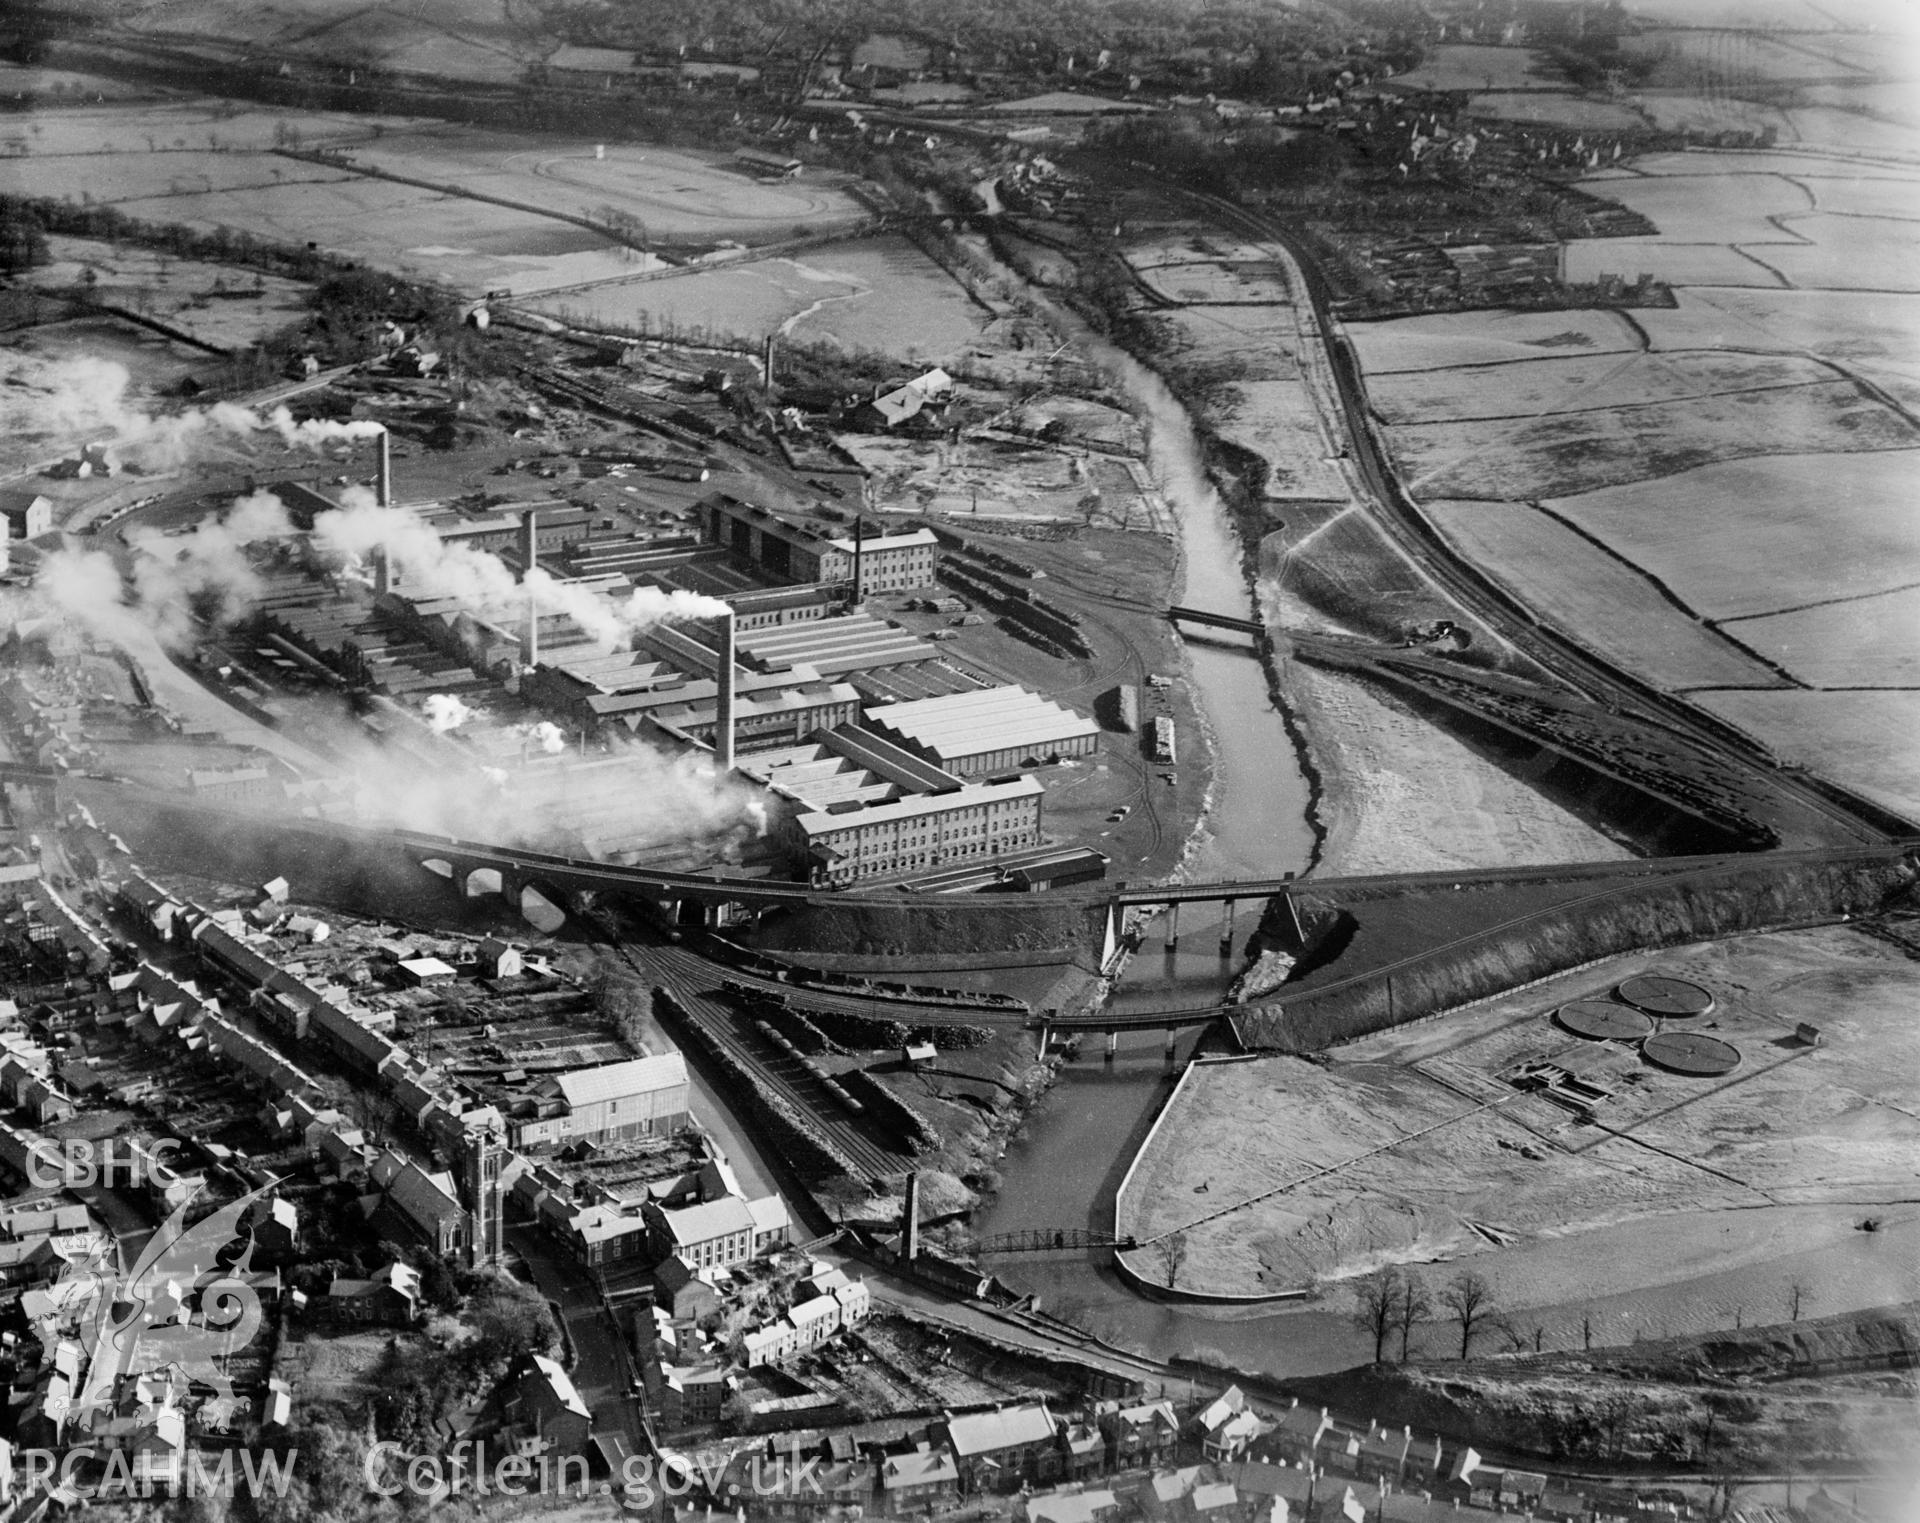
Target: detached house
(1141,1435)
(999,1450)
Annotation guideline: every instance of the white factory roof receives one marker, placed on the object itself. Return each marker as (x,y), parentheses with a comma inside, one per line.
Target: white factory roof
(987,719)
(714,1218)
(984,1432)
(898,810)
(636,1076)
(887,541)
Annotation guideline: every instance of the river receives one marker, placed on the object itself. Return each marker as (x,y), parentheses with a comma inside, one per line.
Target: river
(1066,1165)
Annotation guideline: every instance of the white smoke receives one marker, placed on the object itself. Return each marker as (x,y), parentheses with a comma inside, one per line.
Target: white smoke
(549,737)
(209,564)
(87,397)
(445,712)
(481,581)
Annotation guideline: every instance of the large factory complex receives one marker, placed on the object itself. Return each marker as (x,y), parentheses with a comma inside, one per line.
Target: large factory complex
(880,755)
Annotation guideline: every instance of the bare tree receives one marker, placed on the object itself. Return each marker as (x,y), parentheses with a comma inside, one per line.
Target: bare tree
(1468,1300)
(1376,1307)
(1799,1297)
(1586,1330)
(1173,1253)
(1413,1307)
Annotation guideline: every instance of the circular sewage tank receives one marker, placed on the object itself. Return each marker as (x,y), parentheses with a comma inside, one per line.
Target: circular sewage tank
(1691,1053)
(1674,998)
(1600,1020)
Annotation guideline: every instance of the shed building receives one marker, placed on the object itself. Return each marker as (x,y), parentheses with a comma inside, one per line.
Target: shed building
(996,729)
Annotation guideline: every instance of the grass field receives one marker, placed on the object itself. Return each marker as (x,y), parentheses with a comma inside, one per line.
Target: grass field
(1853,642)
(142,182)
(1563,454)
(1485,338)
(679,195)
(1866,195)
(1841,324)
(1607,605)
(1757,536)
(1714,208)
(880,294)
(1554,1213)
(186,123)
(1469,66)
(1850,253)
(1556,110)
(1683,111)
(1733,61)
(1863,740)
(1278,421)
(1586,260)
(1527,387)
(217,304)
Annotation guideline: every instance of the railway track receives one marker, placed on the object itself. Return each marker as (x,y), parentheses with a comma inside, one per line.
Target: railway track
(692,982)
(1814,813)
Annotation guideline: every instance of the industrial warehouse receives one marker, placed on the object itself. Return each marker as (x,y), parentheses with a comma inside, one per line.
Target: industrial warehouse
(994,730)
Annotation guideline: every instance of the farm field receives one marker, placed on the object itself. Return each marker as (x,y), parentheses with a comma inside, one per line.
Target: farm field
(217,304)
(1850,253)
(1469,66)
(1554,1214)
(1683,111)
(1863,641)
(464,39)
(1255,343)
(1279,422)
(187,122)
(1863,740)
(1735,60)
(1757,536)
(1865,195)
(1714,208)
(678,195)
(1485,338)
(151,179)
(1600,600)
(155,364)
(1528,387)
(880,294)
(1559,110)
(1563,454)
(1585,260)
(1853,326)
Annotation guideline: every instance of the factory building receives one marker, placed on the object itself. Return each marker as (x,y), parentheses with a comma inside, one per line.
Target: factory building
(789,553)
(558,527)
(996,729)
(643,1097)
(853,642)
(849,841)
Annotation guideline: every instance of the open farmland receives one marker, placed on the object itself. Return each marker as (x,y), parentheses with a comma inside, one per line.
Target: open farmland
(1853,641)
(179,124)
(1849,253)
(1723,208)
(1733,61)
(1755,536)
(1562,454)
(1582,384)
(217,304)
(460,39)
(1861,739)
(1556,1213)
(1484,338)
(1556,110)
(1596,597)
(1468,66)
(678,195)
(879,294)
(140,183)
(1587,260)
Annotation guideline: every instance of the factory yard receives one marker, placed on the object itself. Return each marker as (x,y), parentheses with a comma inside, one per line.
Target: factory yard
(1417,1147)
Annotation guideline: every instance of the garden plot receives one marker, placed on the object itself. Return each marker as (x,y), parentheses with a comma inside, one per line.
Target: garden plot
(1467,66)
(1598,599)
(1528,388)
(1850,642)
(1756,536)
(1851,254)
(1556,110)
(1582,452)
(1585,261)
(1862,740)
(1484,338)
(675,194)
(1726,207)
